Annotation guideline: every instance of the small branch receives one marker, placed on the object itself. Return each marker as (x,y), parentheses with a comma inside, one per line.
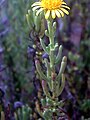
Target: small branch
(60,89)
(59,55)
(62,68)
(44,46)
(45,89)
(38,67)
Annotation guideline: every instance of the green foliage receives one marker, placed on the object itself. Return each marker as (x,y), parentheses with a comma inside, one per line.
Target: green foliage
(16,44)
(82,59)
(85,52)
(23,113)
(85,106)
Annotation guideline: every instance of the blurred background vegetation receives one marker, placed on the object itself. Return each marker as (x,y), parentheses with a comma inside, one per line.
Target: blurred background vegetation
(17,70)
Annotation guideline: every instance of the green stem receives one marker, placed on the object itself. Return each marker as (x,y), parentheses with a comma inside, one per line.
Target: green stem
(51,54)
(51,38)
(48,68)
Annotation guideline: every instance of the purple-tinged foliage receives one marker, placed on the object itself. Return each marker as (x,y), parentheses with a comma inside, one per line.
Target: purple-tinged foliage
(18,104)
(45,55)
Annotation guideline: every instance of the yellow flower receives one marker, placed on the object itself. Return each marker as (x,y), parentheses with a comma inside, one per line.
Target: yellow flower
(51,7)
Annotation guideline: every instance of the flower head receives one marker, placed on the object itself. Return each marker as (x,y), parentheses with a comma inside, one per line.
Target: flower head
(51,7)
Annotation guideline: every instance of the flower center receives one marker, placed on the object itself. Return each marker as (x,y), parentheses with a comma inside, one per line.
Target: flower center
(51,4)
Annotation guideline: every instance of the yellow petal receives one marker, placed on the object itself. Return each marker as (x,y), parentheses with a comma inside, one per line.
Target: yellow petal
(65,11)
(36,7)
(47,14)
(40,10)
(64,3)
(53,14)
(64,6)
(35,4)
(57,13)
(62,14)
